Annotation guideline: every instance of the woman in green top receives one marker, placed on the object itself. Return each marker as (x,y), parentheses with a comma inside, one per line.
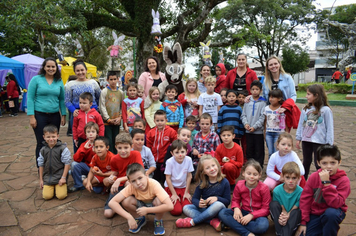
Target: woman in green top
(45,100)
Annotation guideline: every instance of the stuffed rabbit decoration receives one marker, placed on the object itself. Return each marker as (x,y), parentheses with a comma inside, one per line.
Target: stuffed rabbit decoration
(206,53)
(221,57)
(156,28)
(114,49)
(79,51)
(60,56)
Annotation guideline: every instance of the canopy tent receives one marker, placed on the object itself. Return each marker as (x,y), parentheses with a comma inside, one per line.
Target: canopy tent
(32,65)
(68,70)
(16,67)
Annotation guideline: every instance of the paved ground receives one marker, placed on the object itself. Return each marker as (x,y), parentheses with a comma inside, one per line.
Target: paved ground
(24,212)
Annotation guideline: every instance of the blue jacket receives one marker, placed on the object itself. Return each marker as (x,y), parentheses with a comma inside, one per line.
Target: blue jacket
(175,112)
(231,115)
(286,84)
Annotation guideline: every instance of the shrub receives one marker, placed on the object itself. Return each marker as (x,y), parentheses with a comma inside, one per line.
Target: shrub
(329,87)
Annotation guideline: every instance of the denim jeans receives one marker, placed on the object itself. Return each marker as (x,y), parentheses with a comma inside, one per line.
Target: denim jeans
(271,139)
(327,224)
(200,215)
(78,170)
(257,226)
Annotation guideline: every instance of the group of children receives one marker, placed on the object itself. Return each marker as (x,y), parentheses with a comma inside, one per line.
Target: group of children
(164,152)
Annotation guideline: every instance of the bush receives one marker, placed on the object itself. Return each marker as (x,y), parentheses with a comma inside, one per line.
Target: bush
(329,87)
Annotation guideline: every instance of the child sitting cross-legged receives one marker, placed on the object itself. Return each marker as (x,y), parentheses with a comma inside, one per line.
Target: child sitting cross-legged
(284,208)
(140,197)
(210,196)
(178,177)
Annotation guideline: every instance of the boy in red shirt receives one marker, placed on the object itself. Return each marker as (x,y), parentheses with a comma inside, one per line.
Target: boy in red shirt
(158,140)
(229,154)
(119,163)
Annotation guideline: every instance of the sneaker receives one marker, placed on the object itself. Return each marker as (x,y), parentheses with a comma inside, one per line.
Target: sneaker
(159,229)
(184,223)
(15,115)
(74,189)
(216,223)
(84,177)
(140,222)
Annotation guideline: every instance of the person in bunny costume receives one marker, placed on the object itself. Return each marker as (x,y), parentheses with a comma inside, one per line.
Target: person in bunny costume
(156,28)
(114,49)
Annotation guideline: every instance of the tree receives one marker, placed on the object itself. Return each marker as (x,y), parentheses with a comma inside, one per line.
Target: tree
(265,25)
(295,59)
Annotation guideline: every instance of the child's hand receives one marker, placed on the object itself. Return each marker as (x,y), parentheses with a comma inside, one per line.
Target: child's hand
(62,181)
(115,187)
(246,219)
(88,144)
(76,143)
(324,175)
(41,184)
(225,159)
(174,198)
(112,179)
(117,121)
(247,127)
(237,214)
(211,200)
(76,113)
(302,229)
(142,211)
(202,203)
(132,223)
(127,130)
(252,129)
(96,171)
(297,144)
(88,186)
(281,110)
(188,197)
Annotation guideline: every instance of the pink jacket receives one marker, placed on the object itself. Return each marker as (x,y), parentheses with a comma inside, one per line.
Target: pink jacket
(146,81)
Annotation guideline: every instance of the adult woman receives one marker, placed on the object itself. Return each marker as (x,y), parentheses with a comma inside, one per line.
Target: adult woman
(13,93)
(152,75)
(45,100)
(276,77)
(241,77)
(74,88)
(204,72)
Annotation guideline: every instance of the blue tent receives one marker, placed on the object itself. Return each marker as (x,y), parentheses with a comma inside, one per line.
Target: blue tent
(16,67)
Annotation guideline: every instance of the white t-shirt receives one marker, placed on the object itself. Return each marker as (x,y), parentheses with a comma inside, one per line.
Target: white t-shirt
(147,158)
(210,104)
(272,116)
(178,172)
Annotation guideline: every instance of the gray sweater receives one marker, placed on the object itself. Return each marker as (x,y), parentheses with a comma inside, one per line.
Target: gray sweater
(252,114)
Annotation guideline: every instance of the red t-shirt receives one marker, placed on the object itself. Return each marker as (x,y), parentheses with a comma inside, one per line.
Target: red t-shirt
(235,154)
(337,75)
(120,164)
(103,165)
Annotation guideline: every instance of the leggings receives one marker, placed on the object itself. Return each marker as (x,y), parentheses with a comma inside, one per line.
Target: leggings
(309,149)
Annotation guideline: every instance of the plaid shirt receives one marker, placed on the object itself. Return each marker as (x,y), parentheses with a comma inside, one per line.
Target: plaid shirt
(210,143)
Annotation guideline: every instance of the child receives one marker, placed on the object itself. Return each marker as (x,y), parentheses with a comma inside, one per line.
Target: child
(279,159)
(210,101)
(204,73)
(110,109)
(184,135)
(323,200)
(210,196)
(241,95)
(178,177)
(253,120)
(189,99)
(53,162)
(273,124)
(140,91)
(223,95)
(173,108)
(229,155)
(138,140)
(100,169)
(230,114)
(158,140)
(284,208)
(82,158)
(139,123)
(132,107)
(206,140)
(316,125)
(191,123)
(119,163)
(250,203)
(220,77)
(155,104)
(141,197)
(85,115)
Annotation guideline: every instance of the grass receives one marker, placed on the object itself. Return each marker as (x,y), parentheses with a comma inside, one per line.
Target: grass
(331,96)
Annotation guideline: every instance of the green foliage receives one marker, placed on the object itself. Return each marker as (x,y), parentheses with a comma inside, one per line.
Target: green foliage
(295,59)
(329,87)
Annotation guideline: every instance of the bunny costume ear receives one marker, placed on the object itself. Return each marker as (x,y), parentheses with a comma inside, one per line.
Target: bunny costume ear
(208,43)
(202,44)
(177,50)
(114,35)
(167,55)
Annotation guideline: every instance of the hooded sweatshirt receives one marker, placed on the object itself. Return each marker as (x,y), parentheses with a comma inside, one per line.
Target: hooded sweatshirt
(221,81)
(252,114)
(82,119)
(316,197)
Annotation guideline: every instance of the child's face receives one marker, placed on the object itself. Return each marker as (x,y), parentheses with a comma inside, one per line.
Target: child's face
(251,175)
(217,71)
(210,87)
(255,91)
(231,98)
(139,125)
(330,164)
(84,104)
(51,138)
(210,168)
(310,97)
(184,135)
(112,80)
(132,92)
(140,93)
(160,121)
(91,133)
(223,96)
(205,125)
(123,149)
(192,87)
(191,125)
(274,101)
(241,99)
(100,148)
(227,137)
(284,146)
(179,154)
(138,180)
(138,141)
(290,181)
(155,95)
(171,94)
